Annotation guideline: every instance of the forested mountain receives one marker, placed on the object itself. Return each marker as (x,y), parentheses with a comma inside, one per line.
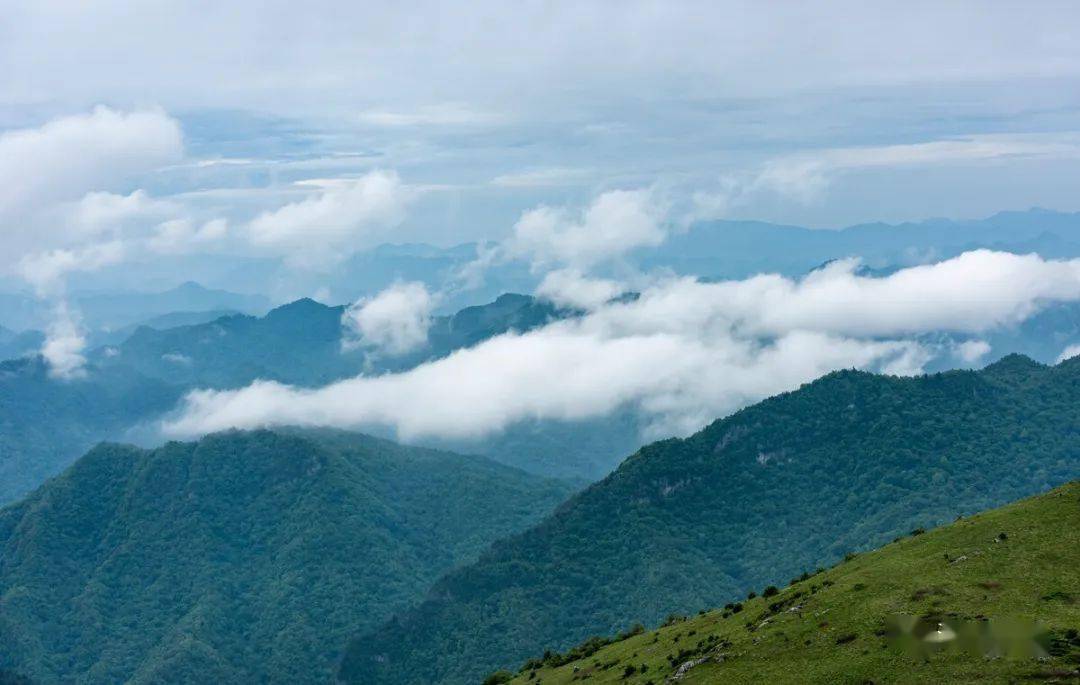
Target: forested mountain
(1019,561)
(795,482)
(45,423)
(244,557)
(19,344)
(301,343)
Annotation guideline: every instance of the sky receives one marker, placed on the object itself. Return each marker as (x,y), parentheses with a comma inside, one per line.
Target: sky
(824,115)
(559,134)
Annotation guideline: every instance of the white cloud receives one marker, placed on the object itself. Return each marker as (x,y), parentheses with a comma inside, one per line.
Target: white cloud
(340,218)
(806,177)
(180,236)
(445,114)
(973,292)
(69,156)
(47,271)
(1068,353)
(616,222)
(971,351)
(539,178)
(571,288)
(684,353)
(395,322)
(64,345)
(564,371)
(102,212)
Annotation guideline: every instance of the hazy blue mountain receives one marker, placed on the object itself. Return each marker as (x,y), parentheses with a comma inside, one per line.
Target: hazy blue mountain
(113,310)
(736,249)
(117,310)
(13,345)
(244,557)
(160,322)
(20,311)
(792,483)
(46,423)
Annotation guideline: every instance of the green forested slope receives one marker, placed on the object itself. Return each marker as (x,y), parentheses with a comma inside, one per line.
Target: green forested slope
(46,422)
(245,557)
(1019,562)
(795,482)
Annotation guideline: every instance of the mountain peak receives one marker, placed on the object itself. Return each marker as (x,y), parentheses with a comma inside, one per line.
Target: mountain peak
(305,306)
(1014,364)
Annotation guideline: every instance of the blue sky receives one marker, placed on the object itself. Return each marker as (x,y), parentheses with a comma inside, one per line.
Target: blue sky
(493,108)
(160,135)
(146,131)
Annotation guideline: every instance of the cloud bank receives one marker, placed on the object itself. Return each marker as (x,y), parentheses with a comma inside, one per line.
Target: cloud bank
(684,353)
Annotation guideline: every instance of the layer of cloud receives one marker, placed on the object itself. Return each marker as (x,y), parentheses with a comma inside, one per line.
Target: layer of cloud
(539,178)
(393,322)
(445,114)
(683,353)
(805,177)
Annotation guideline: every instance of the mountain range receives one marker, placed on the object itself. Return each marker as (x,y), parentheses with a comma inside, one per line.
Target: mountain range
(244,557)
(847,624)
(780,488)
(45,422)
(302,555)
(709,249)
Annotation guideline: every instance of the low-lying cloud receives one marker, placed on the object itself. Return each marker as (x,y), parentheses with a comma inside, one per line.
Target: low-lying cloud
(684,353)
(393,322)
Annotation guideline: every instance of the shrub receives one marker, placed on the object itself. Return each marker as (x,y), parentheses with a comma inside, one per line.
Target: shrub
(498,678)
(770,591)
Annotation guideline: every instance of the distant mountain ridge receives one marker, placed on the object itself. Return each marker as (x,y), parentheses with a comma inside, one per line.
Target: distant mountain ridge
(112,310)
(46,423)
(796,481)
(244,557)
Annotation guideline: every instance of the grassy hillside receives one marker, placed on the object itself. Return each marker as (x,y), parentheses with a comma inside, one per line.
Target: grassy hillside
(245,557)
(793,483)
(1019,561)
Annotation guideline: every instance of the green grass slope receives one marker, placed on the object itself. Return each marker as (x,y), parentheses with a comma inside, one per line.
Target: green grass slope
(244,557)
(793,483)
(1019,561)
